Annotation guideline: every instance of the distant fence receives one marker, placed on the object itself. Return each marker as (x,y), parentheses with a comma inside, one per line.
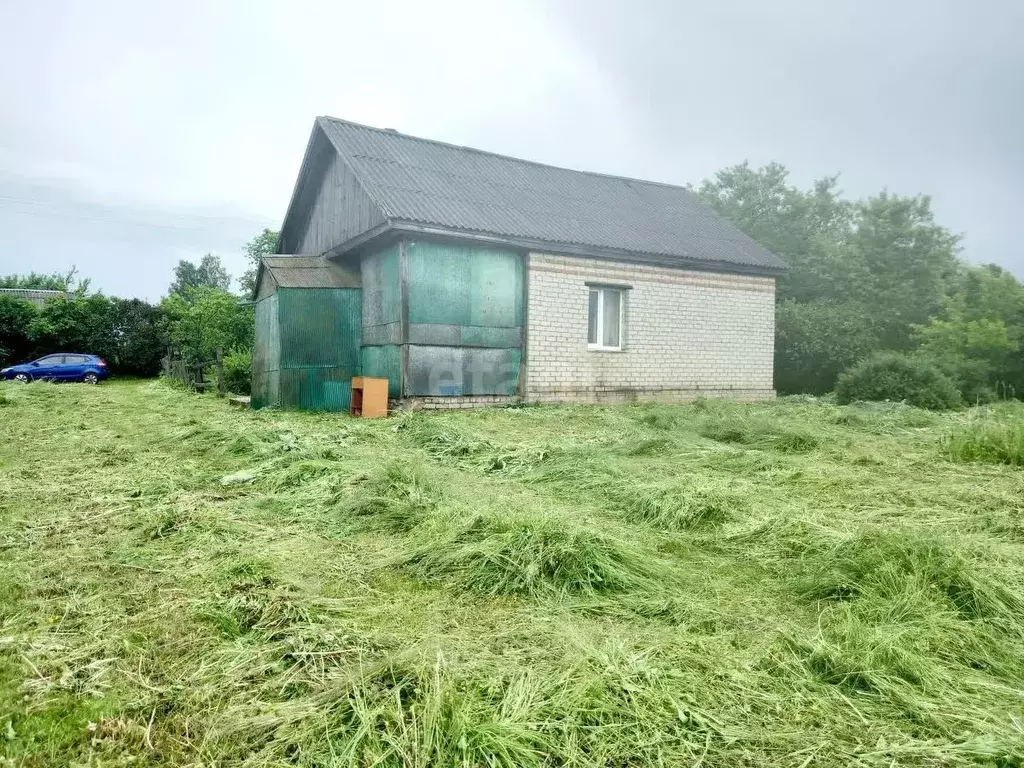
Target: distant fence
(197,375)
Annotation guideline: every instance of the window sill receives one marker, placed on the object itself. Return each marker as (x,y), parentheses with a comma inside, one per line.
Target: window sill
(599,348)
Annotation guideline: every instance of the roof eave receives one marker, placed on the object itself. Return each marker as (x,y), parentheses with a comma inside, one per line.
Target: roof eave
(393,228)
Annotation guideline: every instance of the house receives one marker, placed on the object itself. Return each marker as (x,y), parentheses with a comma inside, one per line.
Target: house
(35,296)
(470,278)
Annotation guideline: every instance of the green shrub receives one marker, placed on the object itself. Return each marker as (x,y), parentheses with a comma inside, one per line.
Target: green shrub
(900,378)
(238,372)
(16,317)
(989,441)
(816,340)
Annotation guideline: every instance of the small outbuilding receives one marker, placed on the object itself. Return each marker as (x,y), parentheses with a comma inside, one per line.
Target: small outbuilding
(308,322)
(469,278)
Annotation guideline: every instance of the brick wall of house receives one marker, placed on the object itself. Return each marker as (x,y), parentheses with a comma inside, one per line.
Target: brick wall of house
(685,334)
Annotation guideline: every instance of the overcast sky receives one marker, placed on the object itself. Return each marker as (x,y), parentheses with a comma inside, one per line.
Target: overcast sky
(135,133)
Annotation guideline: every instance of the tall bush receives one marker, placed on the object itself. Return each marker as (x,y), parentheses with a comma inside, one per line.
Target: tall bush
(140,337)
(898,377)
(238,371)
(815,341)
(16,316)
(204,319)
(76,324)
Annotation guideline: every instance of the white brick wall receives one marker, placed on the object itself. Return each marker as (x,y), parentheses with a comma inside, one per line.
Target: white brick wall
(685,333)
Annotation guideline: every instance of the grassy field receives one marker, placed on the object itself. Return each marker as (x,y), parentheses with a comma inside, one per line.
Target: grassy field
(791,583)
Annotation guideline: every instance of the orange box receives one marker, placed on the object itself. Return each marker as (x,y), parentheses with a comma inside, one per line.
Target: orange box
(369,397)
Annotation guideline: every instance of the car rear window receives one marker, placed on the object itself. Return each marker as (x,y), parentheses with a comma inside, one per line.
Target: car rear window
(75,359)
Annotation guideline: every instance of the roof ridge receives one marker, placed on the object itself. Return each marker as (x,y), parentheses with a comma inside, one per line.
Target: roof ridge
(35,290)
(393,132)
(386,212)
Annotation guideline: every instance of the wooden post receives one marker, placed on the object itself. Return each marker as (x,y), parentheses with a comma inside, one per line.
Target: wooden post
(222,385)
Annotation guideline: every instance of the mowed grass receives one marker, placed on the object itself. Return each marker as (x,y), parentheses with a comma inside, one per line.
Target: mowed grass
(789,583)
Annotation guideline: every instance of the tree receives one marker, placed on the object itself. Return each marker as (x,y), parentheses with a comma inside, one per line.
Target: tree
(55,281)
(140,337)
(805,229)
(906,263)
(862,274)
(16,316)
(203,319)
(209,273)
(76,324)
(818,340)
(264,244)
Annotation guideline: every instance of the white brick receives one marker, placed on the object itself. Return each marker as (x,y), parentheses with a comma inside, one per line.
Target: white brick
(685,333)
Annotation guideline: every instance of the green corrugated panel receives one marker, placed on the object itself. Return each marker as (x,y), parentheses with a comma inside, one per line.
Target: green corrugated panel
(320,327)
(464,285)
(266,354)
(384,362)
(316,389)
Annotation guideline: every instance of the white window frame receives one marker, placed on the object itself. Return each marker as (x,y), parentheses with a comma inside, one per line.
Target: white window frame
(601,289)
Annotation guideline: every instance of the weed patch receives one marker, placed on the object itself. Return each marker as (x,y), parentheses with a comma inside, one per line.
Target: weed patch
(995,442)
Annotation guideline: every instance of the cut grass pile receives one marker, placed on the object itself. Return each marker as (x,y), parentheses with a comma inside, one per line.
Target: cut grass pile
(788,583)
(532,556)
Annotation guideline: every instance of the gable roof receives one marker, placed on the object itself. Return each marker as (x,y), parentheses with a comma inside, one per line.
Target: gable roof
(469,191)
(306,272)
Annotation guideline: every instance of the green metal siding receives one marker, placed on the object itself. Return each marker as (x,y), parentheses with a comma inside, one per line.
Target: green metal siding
(462,335)
(266,354)
(382,298)
(384,362)
(465,319)
(380,355)
(443,371)
(464,285)
(320,331)
(320,327)
(316,389)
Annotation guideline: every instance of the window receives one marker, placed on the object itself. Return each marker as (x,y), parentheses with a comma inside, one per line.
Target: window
(52,360)
(605,328)
(75,359)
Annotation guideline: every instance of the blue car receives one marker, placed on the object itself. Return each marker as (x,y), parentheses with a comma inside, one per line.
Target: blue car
(63,366)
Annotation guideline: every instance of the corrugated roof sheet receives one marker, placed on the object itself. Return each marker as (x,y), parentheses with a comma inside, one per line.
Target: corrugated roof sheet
(469,190)
(309,272)
(31,293)
(37,296)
